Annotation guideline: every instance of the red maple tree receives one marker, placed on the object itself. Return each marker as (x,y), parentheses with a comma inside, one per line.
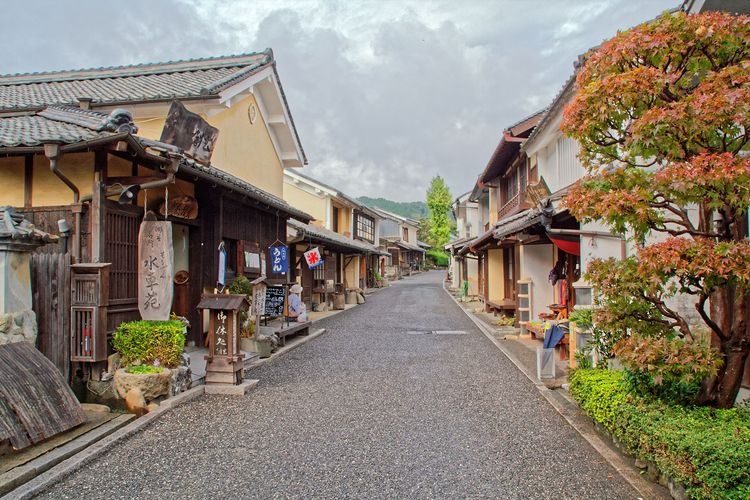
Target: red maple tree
(662,113)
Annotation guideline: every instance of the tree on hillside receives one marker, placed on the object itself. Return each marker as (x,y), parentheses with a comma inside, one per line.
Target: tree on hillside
(662,113)
(439,212)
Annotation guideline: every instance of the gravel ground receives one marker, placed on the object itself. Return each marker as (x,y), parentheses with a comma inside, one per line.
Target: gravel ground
(365,411)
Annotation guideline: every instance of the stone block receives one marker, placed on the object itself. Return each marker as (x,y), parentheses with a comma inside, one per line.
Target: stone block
(152,385)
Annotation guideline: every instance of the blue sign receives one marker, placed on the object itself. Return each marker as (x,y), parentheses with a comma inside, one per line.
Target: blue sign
(279,257)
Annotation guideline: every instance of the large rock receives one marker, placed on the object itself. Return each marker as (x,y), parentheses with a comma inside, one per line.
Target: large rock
(180,381)
(135,402)
(18,327)
(152,385)
(360,298)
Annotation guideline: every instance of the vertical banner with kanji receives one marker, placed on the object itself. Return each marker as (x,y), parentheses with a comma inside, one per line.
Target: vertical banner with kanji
(313,258)
(278,256)
(155,270)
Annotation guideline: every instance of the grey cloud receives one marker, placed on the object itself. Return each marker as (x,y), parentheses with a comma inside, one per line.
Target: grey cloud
(445,79)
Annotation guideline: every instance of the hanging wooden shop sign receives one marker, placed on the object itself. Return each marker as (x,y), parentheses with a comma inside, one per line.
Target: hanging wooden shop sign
(155,270)
(189,132)
(184,207)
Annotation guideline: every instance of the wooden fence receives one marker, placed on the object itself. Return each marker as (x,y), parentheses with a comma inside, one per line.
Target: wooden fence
(50,285)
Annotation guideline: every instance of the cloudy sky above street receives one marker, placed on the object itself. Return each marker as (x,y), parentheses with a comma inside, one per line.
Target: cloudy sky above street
(385,94)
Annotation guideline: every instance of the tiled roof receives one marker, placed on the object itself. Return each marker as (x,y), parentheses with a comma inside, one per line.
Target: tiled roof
(516,223)
(122,84)
(235,183)
(61,124)
(403,244)
(332,237)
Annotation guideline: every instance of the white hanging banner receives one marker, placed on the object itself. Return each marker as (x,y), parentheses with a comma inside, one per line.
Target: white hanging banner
(313,258)
(155,270)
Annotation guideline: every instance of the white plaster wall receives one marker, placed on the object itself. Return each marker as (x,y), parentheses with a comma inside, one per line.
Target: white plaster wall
(472,271)
(536,263)
(598,247)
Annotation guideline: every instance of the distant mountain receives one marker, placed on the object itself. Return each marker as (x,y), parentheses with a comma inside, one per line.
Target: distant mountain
(412,209)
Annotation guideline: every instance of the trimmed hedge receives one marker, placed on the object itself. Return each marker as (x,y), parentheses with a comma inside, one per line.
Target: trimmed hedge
(144,342)
(707,450)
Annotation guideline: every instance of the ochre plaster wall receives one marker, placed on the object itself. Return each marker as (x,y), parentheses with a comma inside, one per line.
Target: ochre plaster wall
(495,275)
(242,149)
(351,274)
(12,181)
(307,202)
(48,189)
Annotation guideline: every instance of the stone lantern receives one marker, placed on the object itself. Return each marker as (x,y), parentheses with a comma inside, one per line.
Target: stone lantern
(18,239)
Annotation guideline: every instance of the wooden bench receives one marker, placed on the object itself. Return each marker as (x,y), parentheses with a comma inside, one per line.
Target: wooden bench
(293,328)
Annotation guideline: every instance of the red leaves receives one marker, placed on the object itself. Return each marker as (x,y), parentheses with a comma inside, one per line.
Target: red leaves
(703,262)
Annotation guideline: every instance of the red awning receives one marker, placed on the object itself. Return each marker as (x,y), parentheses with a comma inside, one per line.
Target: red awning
(568,243)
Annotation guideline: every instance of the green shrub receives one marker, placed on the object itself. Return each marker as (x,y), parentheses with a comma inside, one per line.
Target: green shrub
(148,341)
(705,449)
(439,257)
(600,393)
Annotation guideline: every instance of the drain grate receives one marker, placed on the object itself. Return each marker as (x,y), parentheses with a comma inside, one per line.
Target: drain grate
(437,332)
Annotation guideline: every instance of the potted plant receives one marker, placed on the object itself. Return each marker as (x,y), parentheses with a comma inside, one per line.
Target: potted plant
(148,351)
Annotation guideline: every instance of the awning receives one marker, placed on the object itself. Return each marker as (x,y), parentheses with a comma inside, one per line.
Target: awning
(568,243)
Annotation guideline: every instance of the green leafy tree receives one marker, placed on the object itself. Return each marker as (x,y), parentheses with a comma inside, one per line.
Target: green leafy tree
(423,230)
(662,113)
(439,208)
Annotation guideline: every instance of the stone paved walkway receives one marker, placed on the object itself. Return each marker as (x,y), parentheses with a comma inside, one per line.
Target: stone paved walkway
(365,411)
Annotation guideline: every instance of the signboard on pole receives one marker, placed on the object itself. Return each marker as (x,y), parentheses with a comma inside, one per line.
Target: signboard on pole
(189,132)
(155,270)
(313,258)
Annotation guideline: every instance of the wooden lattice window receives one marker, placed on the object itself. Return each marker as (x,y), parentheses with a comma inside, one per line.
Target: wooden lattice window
(364,227)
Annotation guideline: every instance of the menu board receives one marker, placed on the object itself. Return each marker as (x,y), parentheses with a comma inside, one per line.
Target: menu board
(275,301)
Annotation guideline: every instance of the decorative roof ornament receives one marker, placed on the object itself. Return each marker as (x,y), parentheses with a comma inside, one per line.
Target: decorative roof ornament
(120,120)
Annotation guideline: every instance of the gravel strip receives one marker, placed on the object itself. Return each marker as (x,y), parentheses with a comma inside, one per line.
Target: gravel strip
(365,411)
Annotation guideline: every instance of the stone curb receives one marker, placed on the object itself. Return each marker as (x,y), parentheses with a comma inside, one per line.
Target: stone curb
(42,481)
(570,411)
(304,340)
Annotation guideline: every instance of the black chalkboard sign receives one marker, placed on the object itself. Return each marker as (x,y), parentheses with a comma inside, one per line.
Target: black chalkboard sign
(275,301)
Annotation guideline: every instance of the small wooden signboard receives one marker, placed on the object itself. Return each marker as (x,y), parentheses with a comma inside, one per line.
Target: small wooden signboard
(225,362)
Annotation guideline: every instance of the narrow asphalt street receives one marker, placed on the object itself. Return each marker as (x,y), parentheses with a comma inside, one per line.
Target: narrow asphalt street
(371,409)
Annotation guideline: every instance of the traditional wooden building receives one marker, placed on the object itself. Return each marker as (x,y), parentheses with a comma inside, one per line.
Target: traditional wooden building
(83,147)
(398,237)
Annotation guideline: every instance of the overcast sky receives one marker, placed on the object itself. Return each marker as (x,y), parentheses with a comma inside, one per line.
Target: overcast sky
(385,94)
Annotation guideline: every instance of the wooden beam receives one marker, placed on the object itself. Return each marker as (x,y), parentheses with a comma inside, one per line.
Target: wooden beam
(28,180)
(98,209)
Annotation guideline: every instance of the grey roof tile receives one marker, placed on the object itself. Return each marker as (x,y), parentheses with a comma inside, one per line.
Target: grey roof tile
(144,82)
(332,237)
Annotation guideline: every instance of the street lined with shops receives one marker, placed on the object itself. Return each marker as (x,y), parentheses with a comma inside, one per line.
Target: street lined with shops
(402,397)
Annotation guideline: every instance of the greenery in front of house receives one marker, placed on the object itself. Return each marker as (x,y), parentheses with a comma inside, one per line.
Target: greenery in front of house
(143,369)
(437,257)
(150,342)
(242,286)
(504,320)
(707,450)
